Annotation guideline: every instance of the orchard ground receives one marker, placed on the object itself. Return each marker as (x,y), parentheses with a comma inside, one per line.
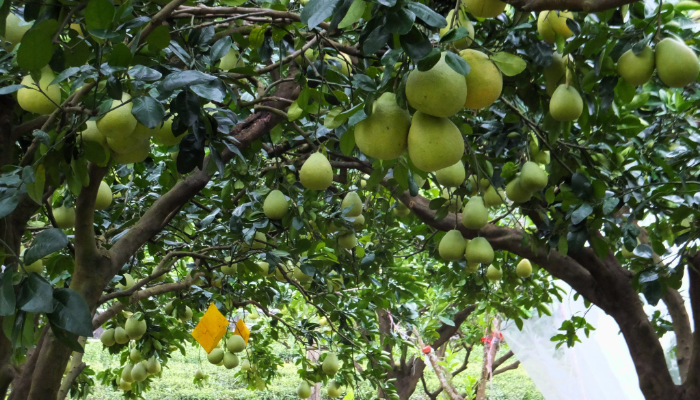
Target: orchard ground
(176,382)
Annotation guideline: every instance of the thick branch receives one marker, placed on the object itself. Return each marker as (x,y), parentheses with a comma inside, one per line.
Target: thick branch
(693,378)
(681,327)
(447,331)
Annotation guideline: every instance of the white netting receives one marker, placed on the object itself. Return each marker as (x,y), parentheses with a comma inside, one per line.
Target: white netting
(599,368)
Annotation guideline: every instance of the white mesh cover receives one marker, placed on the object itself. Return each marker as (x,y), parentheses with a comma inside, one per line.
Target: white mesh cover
(599,368)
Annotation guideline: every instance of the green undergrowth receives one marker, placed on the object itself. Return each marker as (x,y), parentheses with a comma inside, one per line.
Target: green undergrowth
(176,382)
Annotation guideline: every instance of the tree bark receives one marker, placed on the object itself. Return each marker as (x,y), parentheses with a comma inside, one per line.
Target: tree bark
(681,327)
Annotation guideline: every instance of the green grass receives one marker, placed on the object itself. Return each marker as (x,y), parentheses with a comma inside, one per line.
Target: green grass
(176,382)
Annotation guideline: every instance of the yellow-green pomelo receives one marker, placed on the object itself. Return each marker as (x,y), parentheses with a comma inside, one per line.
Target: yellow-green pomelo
(420,181)
(333,389)
(301,276)
(494,274)
(124,385)
(484,80)
(330,364)
(230,360)
(130,282)
(304,390)
(676,64)
(32,100)
(143,132)
(126,373)
(516,193)
(454,23)
(340,63)
(309,54)
(137,155)
(532,177)
(484,8)
(452,246)
(15,28)
(316,173)
(471,267)
(493,197)
(65,217)
(37,267)
(245,365)
(434,143)
(475,214)
(231,60)
(479,250)
(401,210)
(358,222)
(107,337)
(347,241)
(187,315)
(92,134)
(636,69)
(119,121)
(353,200)
(199,375)
(279,275)
(235,344)
(135,355)
(120,335)
(554,74)
(135,328)
(566,104)
(542,157)
(451,176)
(139,372)
(259,241)
(549,23)
(524,268)
(439,91)
(263,268)
(104,196)
(383,134)
(165,136)
(153,365)
(216,356)
(275,205)
(229,270)
(453,203)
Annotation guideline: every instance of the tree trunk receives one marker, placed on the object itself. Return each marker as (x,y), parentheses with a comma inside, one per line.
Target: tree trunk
(407,377)
(312,354)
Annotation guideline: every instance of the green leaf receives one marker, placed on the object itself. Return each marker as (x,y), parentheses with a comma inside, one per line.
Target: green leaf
(600,246)
(159,39)
(69,340)
(455,34)
(36,48)
(8,204)
(457,63)
(429,61)
(581,213)
(400,21)
(10,89)
(430,17)
(96,153)
(35,189)
(333,119)
(581,186)
(446,321)
(416,44)
(7,294)
(316,11)
(401,176)
(35,295)
(71,313)
(99,14)
(354,14)
(121,56)
(145,74)
(376,40)
(610,204)
(181,79)
(347,142)
(219,49)
(148,111)
(46,242)
(509,64)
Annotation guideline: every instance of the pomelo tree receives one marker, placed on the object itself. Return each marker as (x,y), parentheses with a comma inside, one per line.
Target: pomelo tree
(324,161)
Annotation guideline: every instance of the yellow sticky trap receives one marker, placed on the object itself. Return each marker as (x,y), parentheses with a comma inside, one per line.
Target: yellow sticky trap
(242,329)
(210,329)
